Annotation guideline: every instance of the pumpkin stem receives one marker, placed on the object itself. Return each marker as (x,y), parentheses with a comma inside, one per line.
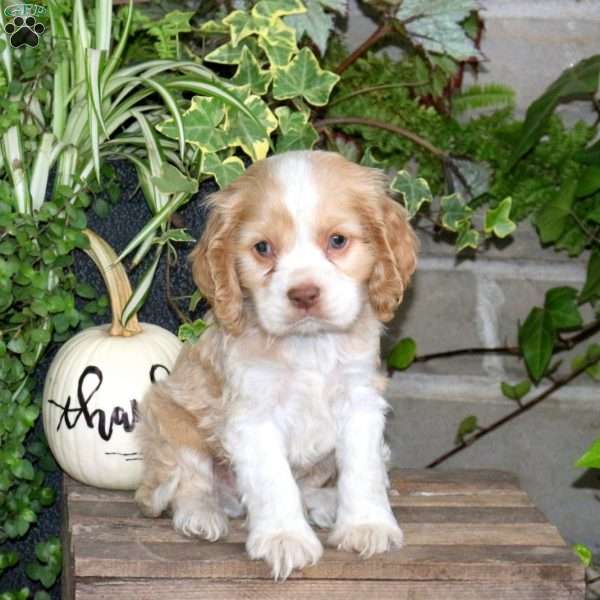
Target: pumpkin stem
(116,281)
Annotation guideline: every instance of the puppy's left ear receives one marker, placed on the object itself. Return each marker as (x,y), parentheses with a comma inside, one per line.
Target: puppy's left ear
(397,246)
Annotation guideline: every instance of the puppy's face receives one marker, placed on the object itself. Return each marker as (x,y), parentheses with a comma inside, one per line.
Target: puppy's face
(308,238)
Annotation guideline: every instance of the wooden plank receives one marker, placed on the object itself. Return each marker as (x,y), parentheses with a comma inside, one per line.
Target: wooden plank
(188,589)
(67,574)
(440,562)
(418,482)
(405,514)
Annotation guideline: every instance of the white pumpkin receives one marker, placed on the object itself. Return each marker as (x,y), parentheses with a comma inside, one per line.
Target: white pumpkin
(95,384)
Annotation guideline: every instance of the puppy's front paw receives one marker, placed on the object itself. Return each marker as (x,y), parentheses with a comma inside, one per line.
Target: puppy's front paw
(201,519)
(285,550)
(367,538)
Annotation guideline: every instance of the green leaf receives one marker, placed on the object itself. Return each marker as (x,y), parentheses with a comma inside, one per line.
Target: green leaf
(174,235)
(252,135)
(231,54)
(23,469)
(304,77)
(200,124)
(436,25)
(592,353)
(141,291)
(172,180)
(224,171)
(476,97)
(561,303)
(251,75)
(273,9)
(455,213)
(591,288)
(190,332)
(536,342)
(279,43)
(588,181)
(17,345)
(414,190)
(315,23)
(295,131)
(474,180)
(551,218)
(517,391)
(577,81)
(85,290)
(591,458)
(467,238)
(402,354)
(497,219)
(467,426)
(584,554)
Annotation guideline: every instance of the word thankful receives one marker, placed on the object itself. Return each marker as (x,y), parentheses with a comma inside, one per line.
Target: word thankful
(97,419)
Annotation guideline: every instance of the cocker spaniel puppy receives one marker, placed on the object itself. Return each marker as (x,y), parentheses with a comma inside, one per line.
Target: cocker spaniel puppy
(303,259)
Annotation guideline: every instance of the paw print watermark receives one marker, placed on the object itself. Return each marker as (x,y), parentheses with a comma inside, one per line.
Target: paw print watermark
(24,28)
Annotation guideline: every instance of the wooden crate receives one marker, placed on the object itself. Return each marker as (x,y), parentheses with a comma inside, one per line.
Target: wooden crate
(470,535)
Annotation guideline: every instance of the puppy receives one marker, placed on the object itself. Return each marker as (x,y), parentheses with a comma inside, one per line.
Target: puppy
(303,259)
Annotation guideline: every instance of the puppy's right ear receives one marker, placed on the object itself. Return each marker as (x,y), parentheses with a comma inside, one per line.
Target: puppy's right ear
(213,264)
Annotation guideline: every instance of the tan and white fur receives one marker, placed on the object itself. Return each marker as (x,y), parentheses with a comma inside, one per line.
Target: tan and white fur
(303,258)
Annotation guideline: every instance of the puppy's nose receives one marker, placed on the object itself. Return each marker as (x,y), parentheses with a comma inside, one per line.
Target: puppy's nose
(304,296)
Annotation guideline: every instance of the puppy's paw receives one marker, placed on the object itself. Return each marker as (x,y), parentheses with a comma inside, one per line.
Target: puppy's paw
(321,505)
(285,550)
(193,517)
(367,538)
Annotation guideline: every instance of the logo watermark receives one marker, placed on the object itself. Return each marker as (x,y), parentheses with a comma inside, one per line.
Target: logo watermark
(24,28)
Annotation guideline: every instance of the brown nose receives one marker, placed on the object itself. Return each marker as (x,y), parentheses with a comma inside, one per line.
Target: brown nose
(304,296)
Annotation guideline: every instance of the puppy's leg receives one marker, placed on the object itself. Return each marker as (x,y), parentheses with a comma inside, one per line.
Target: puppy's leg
(178,470)
(320,502)
(278,531)
(365,522)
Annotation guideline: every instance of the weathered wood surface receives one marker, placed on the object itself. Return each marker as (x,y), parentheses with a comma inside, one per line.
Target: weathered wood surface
(469,535)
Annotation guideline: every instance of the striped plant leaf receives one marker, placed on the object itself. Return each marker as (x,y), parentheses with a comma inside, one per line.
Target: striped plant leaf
(141,291)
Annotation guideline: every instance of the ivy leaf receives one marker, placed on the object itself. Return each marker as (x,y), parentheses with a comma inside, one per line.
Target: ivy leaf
(304,77)
(402,354)
(467,238)
(172,180)
(315,23)
(517,391)
(190,332)
(296,133)
(370,160)
(588,181)
(467,426)
(274,9)
(591,288)
(592,353)
(550,220)
(476,176)
(536,342)
(414,190)
(224,171)
(579,80)
(455,213)
(591,458)
(561,303)
(200,124)
(584,554)
(278,42)
(251,75)
(231,54)
(436,26)
(497,219)
(249,133)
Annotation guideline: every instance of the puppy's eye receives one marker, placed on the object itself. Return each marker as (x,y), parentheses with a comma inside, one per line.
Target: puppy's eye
(263,248)
(337,241)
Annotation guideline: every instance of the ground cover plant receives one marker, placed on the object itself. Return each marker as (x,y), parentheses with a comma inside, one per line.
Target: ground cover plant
(196,92)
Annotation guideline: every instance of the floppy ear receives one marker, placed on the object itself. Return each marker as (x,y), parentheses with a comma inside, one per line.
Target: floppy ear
(396,246)
(213,266)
